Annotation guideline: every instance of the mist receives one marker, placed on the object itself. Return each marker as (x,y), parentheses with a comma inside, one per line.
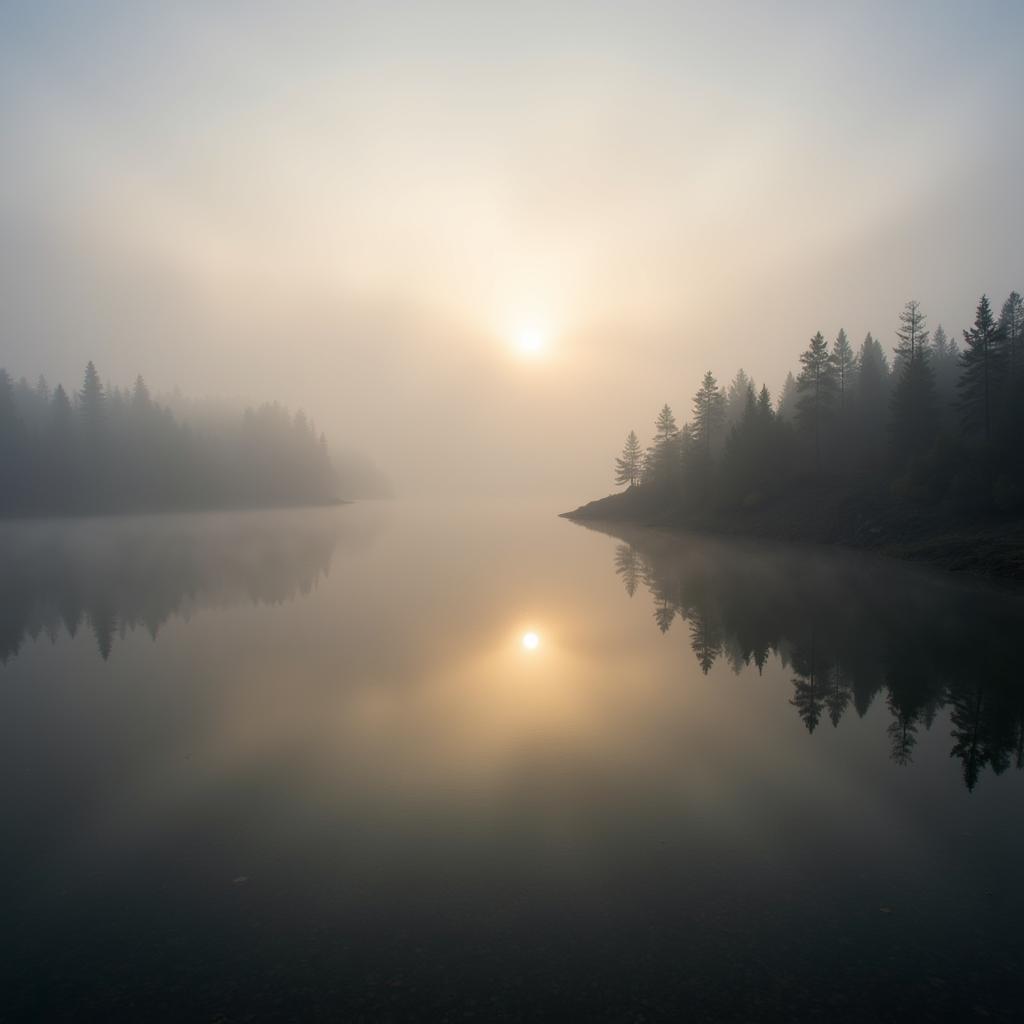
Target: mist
(511,511)
(359,210)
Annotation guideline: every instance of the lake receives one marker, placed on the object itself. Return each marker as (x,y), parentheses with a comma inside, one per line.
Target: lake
(398,761)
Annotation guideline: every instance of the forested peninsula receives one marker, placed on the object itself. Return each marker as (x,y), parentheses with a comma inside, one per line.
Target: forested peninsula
(920,458)
(103,449)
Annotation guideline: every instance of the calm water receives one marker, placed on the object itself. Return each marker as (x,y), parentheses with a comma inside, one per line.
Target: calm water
(300,765)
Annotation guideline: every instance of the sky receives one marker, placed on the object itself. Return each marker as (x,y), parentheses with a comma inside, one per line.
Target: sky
(479,241)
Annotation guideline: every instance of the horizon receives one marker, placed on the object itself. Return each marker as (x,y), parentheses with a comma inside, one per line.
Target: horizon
(364,212)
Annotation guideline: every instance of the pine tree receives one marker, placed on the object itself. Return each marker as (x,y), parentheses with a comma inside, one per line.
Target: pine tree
(982,363)
(665,428)
(912,332)
(662,459)
(818,388)
(736,398)
(1011,324)
(945,356)
(845,363)
(141,400)
(708,413)
(91,398)
(629,464)
(786,409)
(913,400)
(872,403)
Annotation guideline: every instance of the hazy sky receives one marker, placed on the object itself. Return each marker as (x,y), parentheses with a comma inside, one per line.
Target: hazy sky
(360,208)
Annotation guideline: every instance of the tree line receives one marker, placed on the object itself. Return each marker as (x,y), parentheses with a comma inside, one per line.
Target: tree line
(940,423)
(104,448)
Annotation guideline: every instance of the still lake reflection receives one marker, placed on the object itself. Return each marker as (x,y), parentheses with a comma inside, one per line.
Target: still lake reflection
(306,765)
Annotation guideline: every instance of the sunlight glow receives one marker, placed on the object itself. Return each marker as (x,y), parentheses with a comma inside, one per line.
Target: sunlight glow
(530,641)
(531,342)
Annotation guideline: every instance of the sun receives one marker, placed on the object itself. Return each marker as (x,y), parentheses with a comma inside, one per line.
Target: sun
(531,341)
(530,641)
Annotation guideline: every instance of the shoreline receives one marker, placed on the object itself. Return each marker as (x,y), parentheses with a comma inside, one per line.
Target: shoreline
(167,510)
(992,549)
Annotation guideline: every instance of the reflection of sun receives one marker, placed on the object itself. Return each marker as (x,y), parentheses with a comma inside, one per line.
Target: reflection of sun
(530,641)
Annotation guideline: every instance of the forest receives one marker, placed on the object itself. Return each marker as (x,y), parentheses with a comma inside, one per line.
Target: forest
(853,442)
(107,449)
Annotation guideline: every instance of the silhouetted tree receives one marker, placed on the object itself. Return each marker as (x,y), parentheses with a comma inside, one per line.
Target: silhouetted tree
(913,401)
(629,465)
(708,413)
(818,388)
(945,357)
(663,456)
(1011,326)
(736,399)
(91,398)
(845,363)
(786,409)
(982,363)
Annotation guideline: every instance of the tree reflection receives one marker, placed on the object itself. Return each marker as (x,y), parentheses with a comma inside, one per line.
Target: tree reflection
(121,574)
(849,629)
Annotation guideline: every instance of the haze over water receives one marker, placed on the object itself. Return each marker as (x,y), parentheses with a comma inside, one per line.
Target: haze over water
(302,764)
(450,756)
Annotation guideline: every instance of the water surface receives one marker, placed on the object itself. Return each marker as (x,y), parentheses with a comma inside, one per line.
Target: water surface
(301,765)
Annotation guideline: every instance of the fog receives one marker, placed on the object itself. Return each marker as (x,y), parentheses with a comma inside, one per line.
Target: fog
(365,209)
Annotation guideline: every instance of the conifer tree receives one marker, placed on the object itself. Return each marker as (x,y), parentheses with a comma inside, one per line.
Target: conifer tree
(1011,325)
(91,398)
(665,428)
(912,332)
(982,363)
(708,413)
(945,356)
(787,399)
(628,465)
(818,388)
(662,458)
(845,363)
(913,401)
(141,400)
(736,398)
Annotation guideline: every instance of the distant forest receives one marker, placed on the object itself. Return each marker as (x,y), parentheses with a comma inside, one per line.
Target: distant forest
(939,427)
(107,449)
